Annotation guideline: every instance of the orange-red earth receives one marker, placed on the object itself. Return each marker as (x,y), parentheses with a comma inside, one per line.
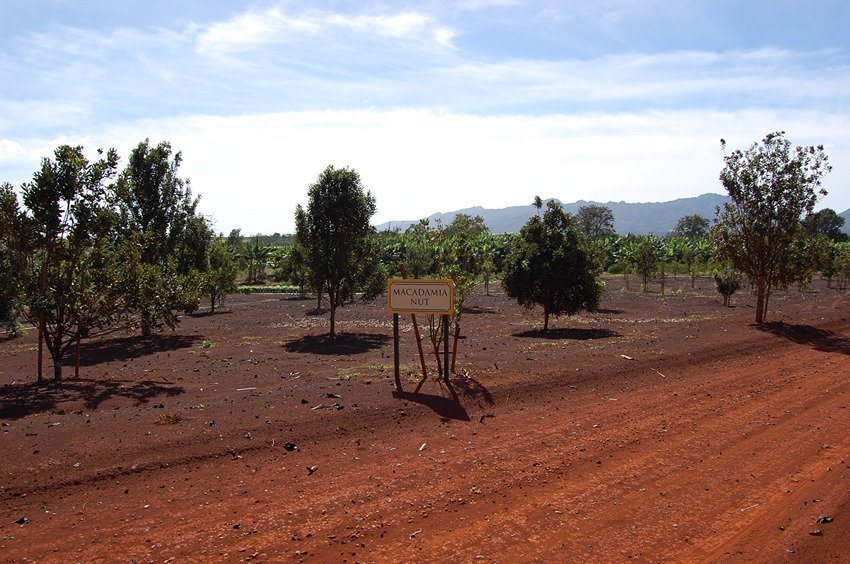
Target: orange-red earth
(662,427)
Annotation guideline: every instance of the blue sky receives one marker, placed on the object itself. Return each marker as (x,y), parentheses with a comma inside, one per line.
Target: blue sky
(438,105)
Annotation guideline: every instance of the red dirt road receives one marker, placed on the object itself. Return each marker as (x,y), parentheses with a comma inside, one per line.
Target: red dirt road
(660,428)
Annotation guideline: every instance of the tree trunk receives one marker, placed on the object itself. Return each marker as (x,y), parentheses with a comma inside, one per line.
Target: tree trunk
(212,302)
(41,349)
(333,298)
(419,345)
(146,325)
(454,347)
(545,319)
(77,360)
(56,355)
(760,299)
(434,331)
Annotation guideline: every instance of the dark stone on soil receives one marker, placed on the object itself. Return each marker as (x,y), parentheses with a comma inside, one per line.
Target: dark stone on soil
(290,446)
(21,521)
(825,519)
(816,533)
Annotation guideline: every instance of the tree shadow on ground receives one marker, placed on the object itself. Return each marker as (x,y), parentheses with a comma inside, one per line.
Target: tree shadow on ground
(23,400)
(475,310)
(298,298)
(126,348)
(447,408)
(342,344)
(820,339)
(569,333)
(471,388)
(208,313)
(316,312)
(608,311)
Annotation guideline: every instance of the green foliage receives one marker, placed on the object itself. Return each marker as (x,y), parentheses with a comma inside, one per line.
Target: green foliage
(827,223)
(643,254)
(772,186)
(165,241)
(806,255)
(255,255)
(10,260)
(550,265)
(692,226)
(67,277)
(234,239)
(290,265)
(336,237)
(219,278)
(840,265)
(595,222)
(727,280)
(279,289)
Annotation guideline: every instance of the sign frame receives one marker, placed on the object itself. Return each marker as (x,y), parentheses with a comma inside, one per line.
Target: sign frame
(424,310)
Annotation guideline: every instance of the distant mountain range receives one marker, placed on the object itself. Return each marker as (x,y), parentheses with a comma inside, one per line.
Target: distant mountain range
(658,218)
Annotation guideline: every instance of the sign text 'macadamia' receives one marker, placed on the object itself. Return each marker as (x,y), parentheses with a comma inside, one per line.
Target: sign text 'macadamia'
(420,296)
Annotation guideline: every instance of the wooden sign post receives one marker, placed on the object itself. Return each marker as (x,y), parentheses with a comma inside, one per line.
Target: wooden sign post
(432,297)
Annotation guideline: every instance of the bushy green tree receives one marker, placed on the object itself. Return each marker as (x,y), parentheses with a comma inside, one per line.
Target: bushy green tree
(827,223)
(161,234)
(643,253)
(551,266)
(692,226)
(596,221)
(67,280)
(727,280)
(10,259)
(219,277)
(336,235)
(772,186)
(255,256)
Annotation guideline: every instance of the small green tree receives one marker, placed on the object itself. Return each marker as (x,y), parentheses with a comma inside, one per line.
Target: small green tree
(550,265)
(461,257)
(644,255)
(255,256)
(692,226)
(220,276)
(728,281)
(337,234)
(827,223)
(596,221)
(772,186)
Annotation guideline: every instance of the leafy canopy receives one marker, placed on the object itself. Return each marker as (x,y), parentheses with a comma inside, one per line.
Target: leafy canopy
(772,186)
(551,265)
(337,238)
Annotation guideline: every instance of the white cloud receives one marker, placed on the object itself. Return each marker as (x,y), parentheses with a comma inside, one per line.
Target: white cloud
(252,170)
(254,29)
(10,150)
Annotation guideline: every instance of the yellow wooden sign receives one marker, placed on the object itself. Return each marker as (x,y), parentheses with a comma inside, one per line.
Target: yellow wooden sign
(420,296)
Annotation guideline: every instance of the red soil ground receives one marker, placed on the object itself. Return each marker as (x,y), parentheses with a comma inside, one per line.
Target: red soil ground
(659,428)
